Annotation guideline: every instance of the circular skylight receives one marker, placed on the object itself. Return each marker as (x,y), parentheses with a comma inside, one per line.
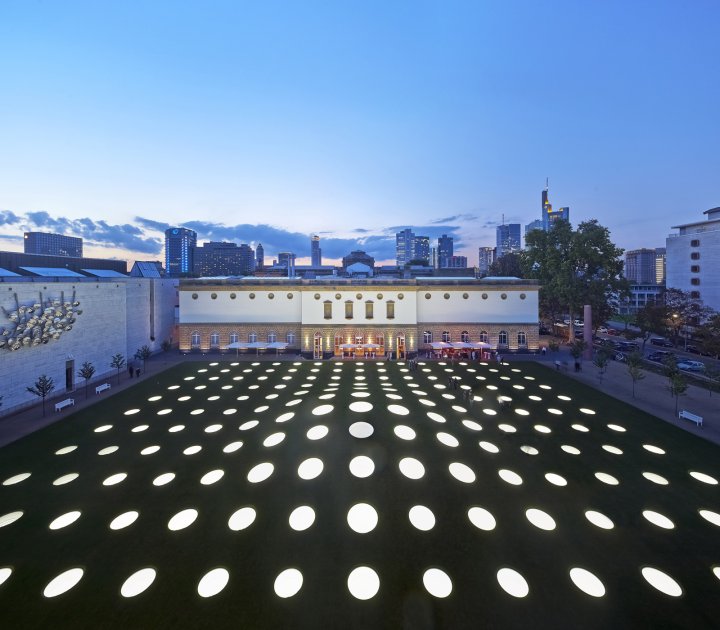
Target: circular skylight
(655,478)
(612,449)
(529,450)
(124,520)
(435,416)
(260,472)
(191,450)
(570,449)
(242,519)
(489,447)
(710,516)
(212,477)
(182,519)
(361,406)
(421,517)
(658,519)
(138,582)
(654,449)
(363,583)
(481,518)
(64,520)
(510,477)
(232,447)
(62,451)
(512,582)
(16,479)
(149,450)
(213,428)
(461,472)
(404,432)
(411,468)
(301,518)
(250,424)
(437,583)
(61,481)
(447,439)
(556,479)
(115,479)
(506,428)
(322,410)
(63,582)
(606,478)
(541,520)
(274,439)
(288,583)
(661,581)
(362,466)
(599,519)
(10,517)
(213,582)
(472,425)
(361,430)
(362,518)
(587,582)
(310,468)
(703,478)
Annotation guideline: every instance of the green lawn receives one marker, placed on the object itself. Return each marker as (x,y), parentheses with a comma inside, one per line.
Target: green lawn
(211,401)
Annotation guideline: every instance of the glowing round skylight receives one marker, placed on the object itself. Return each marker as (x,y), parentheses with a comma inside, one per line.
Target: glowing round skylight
(362,466)
(242,519)
(182,519)
(462,472)
(360,394)
(555,479)
(617,427)
(612,449)
(436,417)
(541,428)
(404,432)
(545,387)
(10,517)
(587,582)
(704,478)
(481,518)
(654,449)
(570,449)
(61,481)
(274,439)
(176,428)
(606,478)
(427,403)
(411,468)
(506,428)
(213,582)
(5,573)
(164,412)
(655,478)
(489,447)
(293,402)
(658,519)
(132,412)
(65,519)
(535,398)
(124,520)
(288,583)
(64,451)
(512,582)
(447,439)
(183,398)
(149,450)
(555,412)
(599,519)
(421,517)
(393,396)
(154,398)
(361,406)
(163,479)
(472,425)
(63,582)
(437,583)
(260,472)
(529,450)
(250,424)
(140,428)
(712,517)
(363,583)
(310,468)
(16,479)
(103,428)
(213,428)
(212,477)
(661,581)
(232,447)
(326,396)
(522,412)
(322,410)
(197,412)
(510,477)
(191,450)
(361,430)
(459,409)
(541,520)
(362,518)
(138,582)
(301,518)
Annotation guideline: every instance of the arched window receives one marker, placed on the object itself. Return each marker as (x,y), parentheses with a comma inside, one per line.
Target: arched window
(234,337)
(522,339)
(272,337)
(214,339)
(446,336)
(484,336)
(195,339)
(290,338)
(465,336)
(503,338)
(252,337)
(427,336)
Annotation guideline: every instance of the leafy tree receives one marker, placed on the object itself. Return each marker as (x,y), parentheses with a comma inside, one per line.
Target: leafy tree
(86,371)
(601,361)
(143,354)
(553,345)
(713,375)
(684,311)
(577,347)
(118,361)
(652,319)
(708,335)
(43,386)
(575,267)
(678,387)
(507,265)
(671,370)
(634,367)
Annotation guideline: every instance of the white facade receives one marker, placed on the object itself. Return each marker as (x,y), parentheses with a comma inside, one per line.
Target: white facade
(693,259)
(118,316)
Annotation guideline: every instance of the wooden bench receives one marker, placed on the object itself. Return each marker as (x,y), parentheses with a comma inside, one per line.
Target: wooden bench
(686,415)
(101,388)
(64,403)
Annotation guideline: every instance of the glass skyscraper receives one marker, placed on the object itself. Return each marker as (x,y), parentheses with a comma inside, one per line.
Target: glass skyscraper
(179,245)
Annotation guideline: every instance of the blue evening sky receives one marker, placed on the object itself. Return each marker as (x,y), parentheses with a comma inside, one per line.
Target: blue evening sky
(268,121)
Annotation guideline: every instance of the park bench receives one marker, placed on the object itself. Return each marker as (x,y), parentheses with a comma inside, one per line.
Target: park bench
(64,403)
(686,415)
(101,388)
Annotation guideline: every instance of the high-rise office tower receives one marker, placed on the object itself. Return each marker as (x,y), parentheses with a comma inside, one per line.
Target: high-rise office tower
(445,250)
(287,260)
(179,244)
(486,257)
(53,244)
(223,259)
(508,238)
(640,266)
(404,246)
(660,265)
(421,249)
(549,216)
(456,262)
(315,251)
(259,256)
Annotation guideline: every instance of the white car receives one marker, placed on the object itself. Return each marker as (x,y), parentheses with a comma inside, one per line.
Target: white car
(691,366)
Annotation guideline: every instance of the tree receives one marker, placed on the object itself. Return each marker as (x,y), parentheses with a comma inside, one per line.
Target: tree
(118,361)
(575,268)
(683,312)
(43,386)
(86,371)
(671,370)
(713,376)
(678,387)
(166,345)
(651,319)
(600,361)
(708,335)
(634,367)
(143,354)
(507,265)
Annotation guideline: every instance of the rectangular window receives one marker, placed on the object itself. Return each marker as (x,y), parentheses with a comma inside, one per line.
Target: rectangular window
(348,310)
(327,310)
(695,269)
(695,295)
(695,243)
(695,281)
(695,256)
(368,310)
(390,310)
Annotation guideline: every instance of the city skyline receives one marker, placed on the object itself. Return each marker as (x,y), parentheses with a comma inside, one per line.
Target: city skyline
(270,123)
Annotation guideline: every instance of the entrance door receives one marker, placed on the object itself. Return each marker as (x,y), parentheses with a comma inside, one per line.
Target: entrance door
(317,346)
(401,346)
(69,375)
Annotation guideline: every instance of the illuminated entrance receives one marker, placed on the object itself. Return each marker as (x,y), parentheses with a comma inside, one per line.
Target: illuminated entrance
(317,346)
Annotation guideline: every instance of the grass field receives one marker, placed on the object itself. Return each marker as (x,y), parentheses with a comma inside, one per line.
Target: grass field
(367,495)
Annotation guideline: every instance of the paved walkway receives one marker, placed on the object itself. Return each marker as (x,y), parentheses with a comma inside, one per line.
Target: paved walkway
(651,394)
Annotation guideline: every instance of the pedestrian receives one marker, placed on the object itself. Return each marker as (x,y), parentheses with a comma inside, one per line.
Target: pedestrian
(577,365)
(137,372)
(130,370)
(557,365)
(544,350)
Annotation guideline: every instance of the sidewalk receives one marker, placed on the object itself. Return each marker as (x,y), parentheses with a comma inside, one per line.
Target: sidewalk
(651,393)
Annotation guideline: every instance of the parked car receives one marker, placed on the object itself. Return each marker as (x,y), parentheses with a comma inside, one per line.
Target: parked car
(602,330)
(691,366)
(693,349)
(659,341)
(627,346)
(659,356)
